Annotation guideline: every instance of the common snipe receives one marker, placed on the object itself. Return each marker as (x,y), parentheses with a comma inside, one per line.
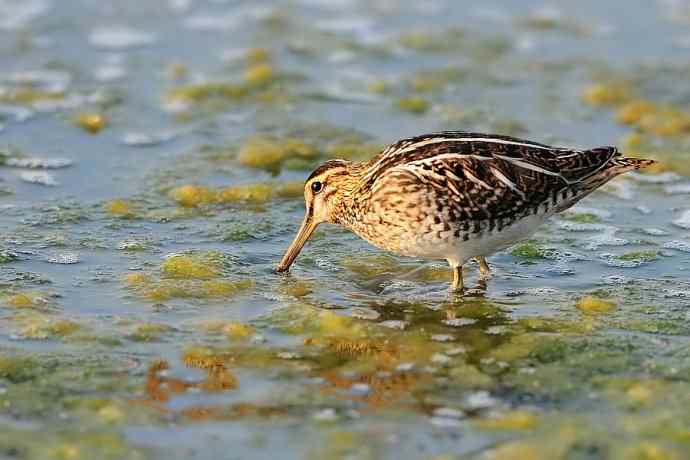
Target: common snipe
(453,195)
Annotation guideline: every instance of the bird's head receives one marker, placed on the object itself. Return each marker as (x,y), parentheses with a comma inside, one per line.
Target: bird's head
(324,192)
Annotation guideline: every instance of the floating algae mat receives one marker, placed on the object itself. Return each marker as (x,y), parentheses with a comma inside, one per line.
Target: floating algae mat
(152,161)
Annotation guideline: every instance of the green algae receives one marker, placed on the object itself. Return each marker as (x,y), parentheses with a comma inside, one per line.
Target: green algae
(638,256)
(528,252)
(581,217)
(7,256)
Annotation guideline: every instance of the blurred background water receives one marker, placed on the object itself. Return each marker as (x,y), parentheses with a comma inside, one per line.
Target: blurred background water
(152,156)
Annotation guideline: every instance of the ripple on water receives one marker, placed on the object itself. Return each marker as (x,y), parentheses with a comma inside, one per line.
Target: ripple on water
(64,258)
(663,178)
(39,177)
(678,189)
(677,245)
(605,238)
(683,221)
(137,139)
(38,163)
(15,114)
(17,14)
(120,38)
(654,231)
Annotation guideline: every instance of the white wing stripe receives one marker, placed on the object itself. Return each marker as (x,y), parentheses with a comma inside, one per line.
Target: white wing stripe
(501,177)
(437,140)
(529,166)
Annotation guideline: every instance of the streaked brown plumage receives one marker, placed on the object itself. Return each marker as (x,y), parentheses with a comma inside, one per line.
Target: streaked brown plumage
(454,195)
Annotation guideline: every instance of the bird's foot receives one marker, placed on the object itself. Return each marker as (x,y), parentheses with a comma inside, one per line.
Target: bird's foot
(484,268)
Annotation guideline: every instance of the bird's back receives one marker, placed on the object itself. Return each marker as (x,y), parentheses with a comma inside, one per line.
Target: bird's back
(463,185)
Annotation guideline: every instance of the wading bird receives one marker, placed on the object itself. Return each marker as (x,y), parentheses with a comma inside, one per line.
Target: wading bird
(453,195)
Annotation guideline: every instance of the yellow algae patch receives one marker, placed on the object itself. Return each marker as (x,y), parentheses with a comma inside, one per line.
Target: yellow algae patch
(519,346)
(589,304)
(632,112)
(111,413)
(26,299)
(205,91)
(601,94)
(193,195)
(224,288)
(632,140)
(640,393)
(202,358)
(118,207)
(378,86)
(238,330)
(67,452)
(42,328)
(332,323)
(413,104)
(91,122)
(258,55)
(188,267)
(264,152)
(371,266)
(252,193)
(298,289)
(177,71)
(515,420)
(518,450)
(293,189)
(353,150)
(136,278)
(260,153)
(30,96)
(260,75)
(151,328)
(159,291)
(650,451)
(148,331)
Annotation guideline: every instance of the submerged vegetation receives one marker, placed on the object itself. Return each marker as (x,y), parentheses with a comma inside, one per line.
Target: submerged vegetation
(151,176)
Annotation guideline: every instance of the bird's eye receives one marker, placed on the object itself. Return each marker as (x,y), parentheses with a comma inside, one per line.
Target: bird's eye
(316,187)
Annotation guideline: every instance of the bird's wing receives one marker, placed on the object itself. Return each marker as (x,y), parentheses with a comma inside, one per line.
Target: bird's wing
(494,179)
(571,165)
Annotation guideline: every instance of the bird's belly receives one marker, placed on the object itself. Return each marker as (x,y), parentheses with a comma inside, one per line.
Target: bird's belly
(433,244)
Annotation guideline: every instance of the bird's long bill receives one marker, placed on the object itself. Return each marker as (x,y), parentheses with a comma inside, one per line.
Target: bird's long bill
(305,231)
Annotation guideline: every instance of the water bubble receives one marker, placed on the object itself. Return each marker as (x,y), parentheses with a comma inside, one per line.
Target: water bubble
(64,258)
(479,400)
(394,324)
(325,415)
(440,358)
(459,322)
(361,389)
(442,338)
(147,140)
(683,246)
(38,163)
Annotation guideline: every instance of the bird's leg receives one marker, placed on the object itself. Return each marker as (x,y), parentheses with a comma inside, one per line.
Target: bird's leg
(458,284)
(483,266)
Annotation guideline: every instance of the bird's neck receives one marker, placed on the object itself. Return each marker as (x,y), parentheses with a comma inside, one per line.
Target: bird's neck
(346,205)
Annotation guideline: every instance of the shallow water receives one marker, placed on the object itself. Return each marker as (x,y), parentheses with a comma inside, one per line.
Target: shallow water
(152,155)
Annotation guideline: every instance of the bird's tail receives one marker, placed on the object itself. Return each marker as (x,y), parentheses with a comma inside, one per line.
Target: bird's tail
(622,165)
(616,166)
